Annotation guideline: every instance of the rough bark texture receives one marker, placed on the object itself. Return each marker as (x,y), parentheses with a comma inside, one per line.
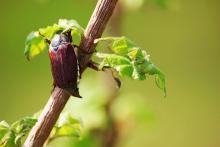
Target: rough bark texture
(47,119)
(59,97)
(103,11)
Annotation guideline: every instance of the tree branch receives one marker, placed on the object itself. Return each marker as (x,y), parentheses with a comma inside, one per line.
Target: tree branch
(103,11)
(59,97)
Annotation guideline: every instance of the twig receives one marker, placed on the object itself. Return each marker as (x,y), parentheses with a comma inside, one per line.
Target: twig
(59,97)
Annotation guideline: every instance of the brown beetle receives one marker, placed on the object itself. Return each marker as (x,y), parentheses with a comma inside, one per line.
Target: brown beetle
(64,63)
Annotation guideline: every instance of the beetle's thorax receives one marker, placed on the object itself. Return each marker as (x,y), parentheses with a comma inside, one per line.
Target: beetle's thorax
(58,40)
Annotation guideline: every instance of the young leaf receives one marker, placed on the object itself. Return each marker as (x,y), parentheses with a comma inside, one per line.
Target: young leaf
(22,127)
(121,64)
(70,24)
(76,30)
(34,45)
(13,136)
(7,137)
(8,140)
(35,42)
(66,125)
(129,60)
(119,45)
(4,128)
(50,31)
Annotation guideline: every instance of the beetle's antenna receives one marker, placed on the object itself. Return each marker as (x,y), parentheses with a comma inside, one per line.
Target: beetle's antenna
(68,34)
(45,38)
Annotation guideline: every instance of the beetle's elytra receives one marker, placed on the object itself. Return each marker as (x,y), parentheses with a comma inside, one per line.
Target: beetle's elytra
(64,64)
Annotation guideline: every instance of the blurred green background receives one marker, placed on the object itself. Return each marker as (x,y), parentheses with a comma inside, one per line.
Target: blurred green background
(182,39)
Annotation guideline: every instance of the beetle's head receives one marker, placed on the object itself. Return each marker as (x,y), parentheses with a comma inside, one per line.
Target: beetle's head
(57,40)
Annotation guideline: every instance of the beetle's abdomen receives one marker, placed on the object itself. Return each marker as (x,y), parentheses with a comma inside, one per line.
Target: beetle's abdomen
(65,68)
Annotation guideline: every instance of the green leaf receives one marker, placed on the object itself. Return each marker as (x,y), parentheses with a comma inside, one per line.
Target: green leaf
(138,74)
(121,64)
(8,140)
(125,70)
(76,30)
(70,24)
(119,45)
(4,128)
(24,125)
(129,60)
(113,60)
(66,125)
(13,136)
(50,31)
(34,45)
(160,80)
(7,136)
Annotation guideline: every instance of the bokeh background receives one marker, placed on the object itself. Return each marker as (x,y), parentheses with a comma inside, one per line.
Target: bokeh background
(183,39)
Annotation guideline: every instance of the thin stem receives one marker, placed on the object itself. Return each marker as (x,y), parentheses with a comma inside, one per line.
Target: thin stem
(59,97)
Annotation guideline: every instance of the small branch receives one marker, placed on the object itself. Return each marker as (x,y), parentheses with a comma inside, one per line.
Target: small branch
(59,97)
(103,11)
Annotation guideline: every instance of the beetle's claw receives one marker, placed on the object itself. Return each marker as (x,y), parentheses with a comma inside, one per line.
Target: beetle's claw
(95,66)
(73,92)
(45,38)
(47,41)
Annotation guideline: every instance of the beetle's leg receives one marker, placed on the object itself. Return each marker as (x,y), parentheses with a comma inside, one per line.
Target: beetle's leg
(45,39)
(95,66)
(68,33)
(76,48)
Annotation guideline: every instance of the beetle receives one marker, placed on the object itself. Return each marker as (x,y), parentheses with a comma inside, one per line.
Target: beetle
(64,63)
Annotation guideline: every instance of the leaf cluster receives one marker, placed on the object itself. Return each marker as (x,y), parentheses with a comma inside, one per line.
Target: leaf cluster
(35,41)
(129,60)
(11,136)
(15,134)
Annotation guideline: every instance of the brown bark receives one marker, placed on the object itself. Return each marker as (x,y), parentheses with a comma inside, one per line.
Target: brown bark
(47,119)
(103,11)
(59,97)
